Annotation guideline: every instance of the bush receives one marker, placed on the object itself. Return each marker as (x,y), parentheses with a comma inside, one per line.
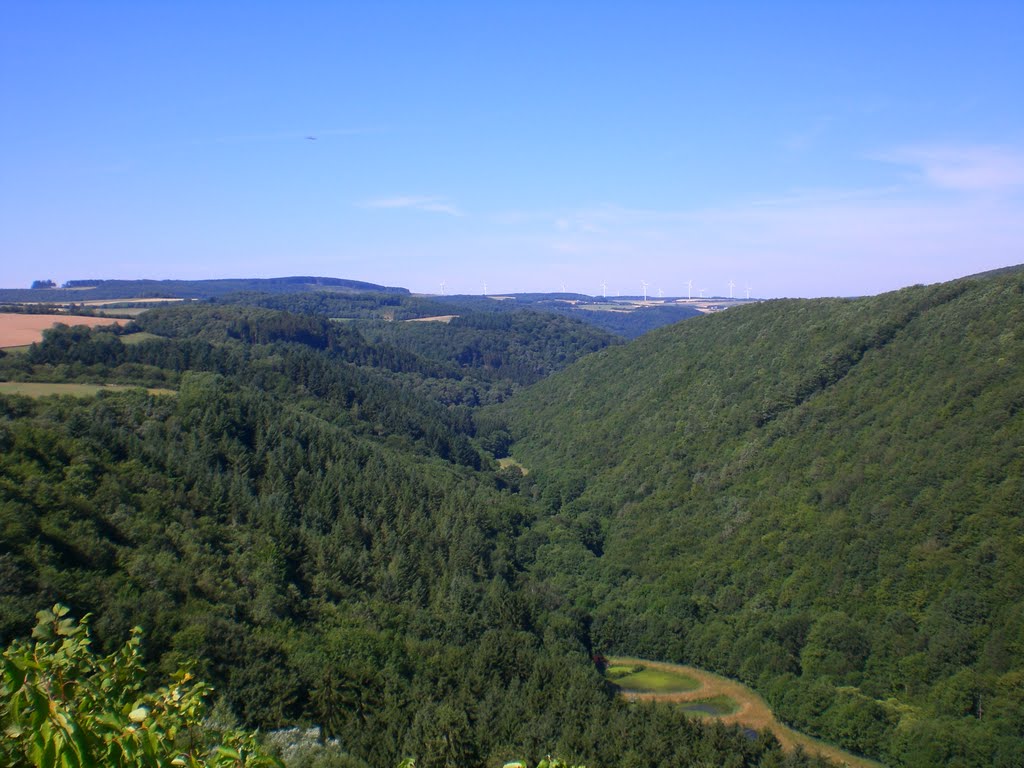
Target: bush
(61,704)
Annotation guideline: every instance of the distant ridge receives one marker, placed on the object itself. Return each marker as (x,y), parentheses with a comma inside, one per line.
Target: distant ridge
(87,290)
(1000,272)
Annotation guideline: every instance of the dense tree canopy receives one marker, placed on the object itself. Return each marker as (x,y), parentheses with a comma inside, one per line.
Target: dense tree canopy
(329,541)
(822,498)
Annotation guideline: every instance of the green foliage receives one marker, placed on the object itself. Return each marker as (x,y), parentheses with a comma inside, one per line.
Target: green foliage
(62,704)
(521,346)
(312,521)
(820,498)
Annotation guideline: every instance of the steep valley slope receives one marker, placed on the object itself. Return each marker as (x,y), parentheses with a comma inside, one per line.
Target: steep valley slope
(823,498)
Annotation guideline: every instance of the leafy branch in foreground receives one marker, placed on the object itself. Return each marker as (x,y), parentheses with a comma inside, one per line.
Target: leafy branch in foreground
(62,704)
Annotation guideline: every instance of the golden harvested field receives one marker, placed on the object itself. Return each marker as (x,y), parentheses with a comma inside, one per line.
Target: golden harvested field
(18,330)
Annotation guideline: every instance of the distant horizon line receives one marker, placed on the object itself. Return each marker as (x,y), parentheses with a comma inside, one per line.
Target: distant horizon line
(315,279)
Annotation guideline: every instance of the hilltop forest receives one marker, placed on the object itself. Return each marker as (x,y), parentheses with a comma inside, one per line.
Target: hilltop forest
(820,498)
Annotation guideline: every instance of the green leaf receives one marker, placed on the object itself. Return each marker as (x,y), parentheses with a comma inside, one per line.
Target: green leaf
(228,752)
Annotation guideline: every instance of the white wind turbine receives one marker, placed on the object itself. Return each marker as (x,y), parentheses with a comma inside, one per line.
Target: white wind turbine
(442,287)
(748,291)
(732,284)
(604,290)
(644,284)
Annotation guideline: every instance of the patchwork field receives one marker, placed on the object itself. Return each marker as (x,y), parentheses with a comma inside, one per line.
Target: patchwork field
(17,330)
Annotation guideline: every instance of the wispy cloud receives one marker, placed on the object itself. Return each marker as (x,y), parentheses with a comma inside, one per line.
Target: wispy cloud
(808,242)
(968,168)
(417,203)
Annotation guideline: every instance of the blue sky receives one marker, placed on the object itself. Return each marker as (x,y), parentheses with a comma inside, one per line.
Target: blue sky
(798,148)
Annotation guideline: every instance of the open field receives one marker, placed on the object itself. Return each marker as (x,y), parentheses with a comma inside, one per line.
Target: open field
(653,680)
(434,319)
(138,338)
(42,389)
(751,710)
(18,330)
(109,302)
(115,311)
(508,461)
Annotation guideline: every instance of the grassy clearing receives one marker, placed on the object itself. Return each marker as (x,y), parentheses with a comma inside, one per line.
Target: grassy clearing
(751,711)
(615,671)
(18,350)
(122,311)
(510,462)
(435,319)
(649,680)
(138,338)
(44,389)
(125,302)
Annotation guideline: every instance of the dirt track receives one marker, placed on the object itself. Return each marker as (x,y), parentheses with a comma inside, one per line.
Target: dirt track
(753,712)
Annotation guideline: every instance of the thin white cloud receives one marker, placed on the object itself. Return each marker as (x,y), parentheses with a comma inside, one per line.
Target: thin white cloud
(417,203)
(967,168)
(810,242)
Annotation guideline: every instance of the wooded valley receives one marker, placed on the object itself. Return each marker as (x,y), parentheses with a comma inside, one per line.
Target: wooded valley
(822,499)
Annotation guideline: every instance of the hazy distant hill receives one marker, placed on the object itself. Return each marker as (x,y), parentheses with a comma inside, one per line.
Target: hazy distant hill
(339,298)
(622,317)
(92,290)
(824,498)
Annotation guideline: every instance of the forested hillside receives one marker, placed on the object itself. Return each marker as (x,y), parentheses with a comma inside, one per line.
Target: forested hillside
(312,519)
(823,498)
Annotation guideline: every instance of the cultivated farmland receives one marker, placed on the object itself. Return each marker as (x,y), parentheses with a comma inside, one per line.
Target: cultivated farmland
(17,330)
